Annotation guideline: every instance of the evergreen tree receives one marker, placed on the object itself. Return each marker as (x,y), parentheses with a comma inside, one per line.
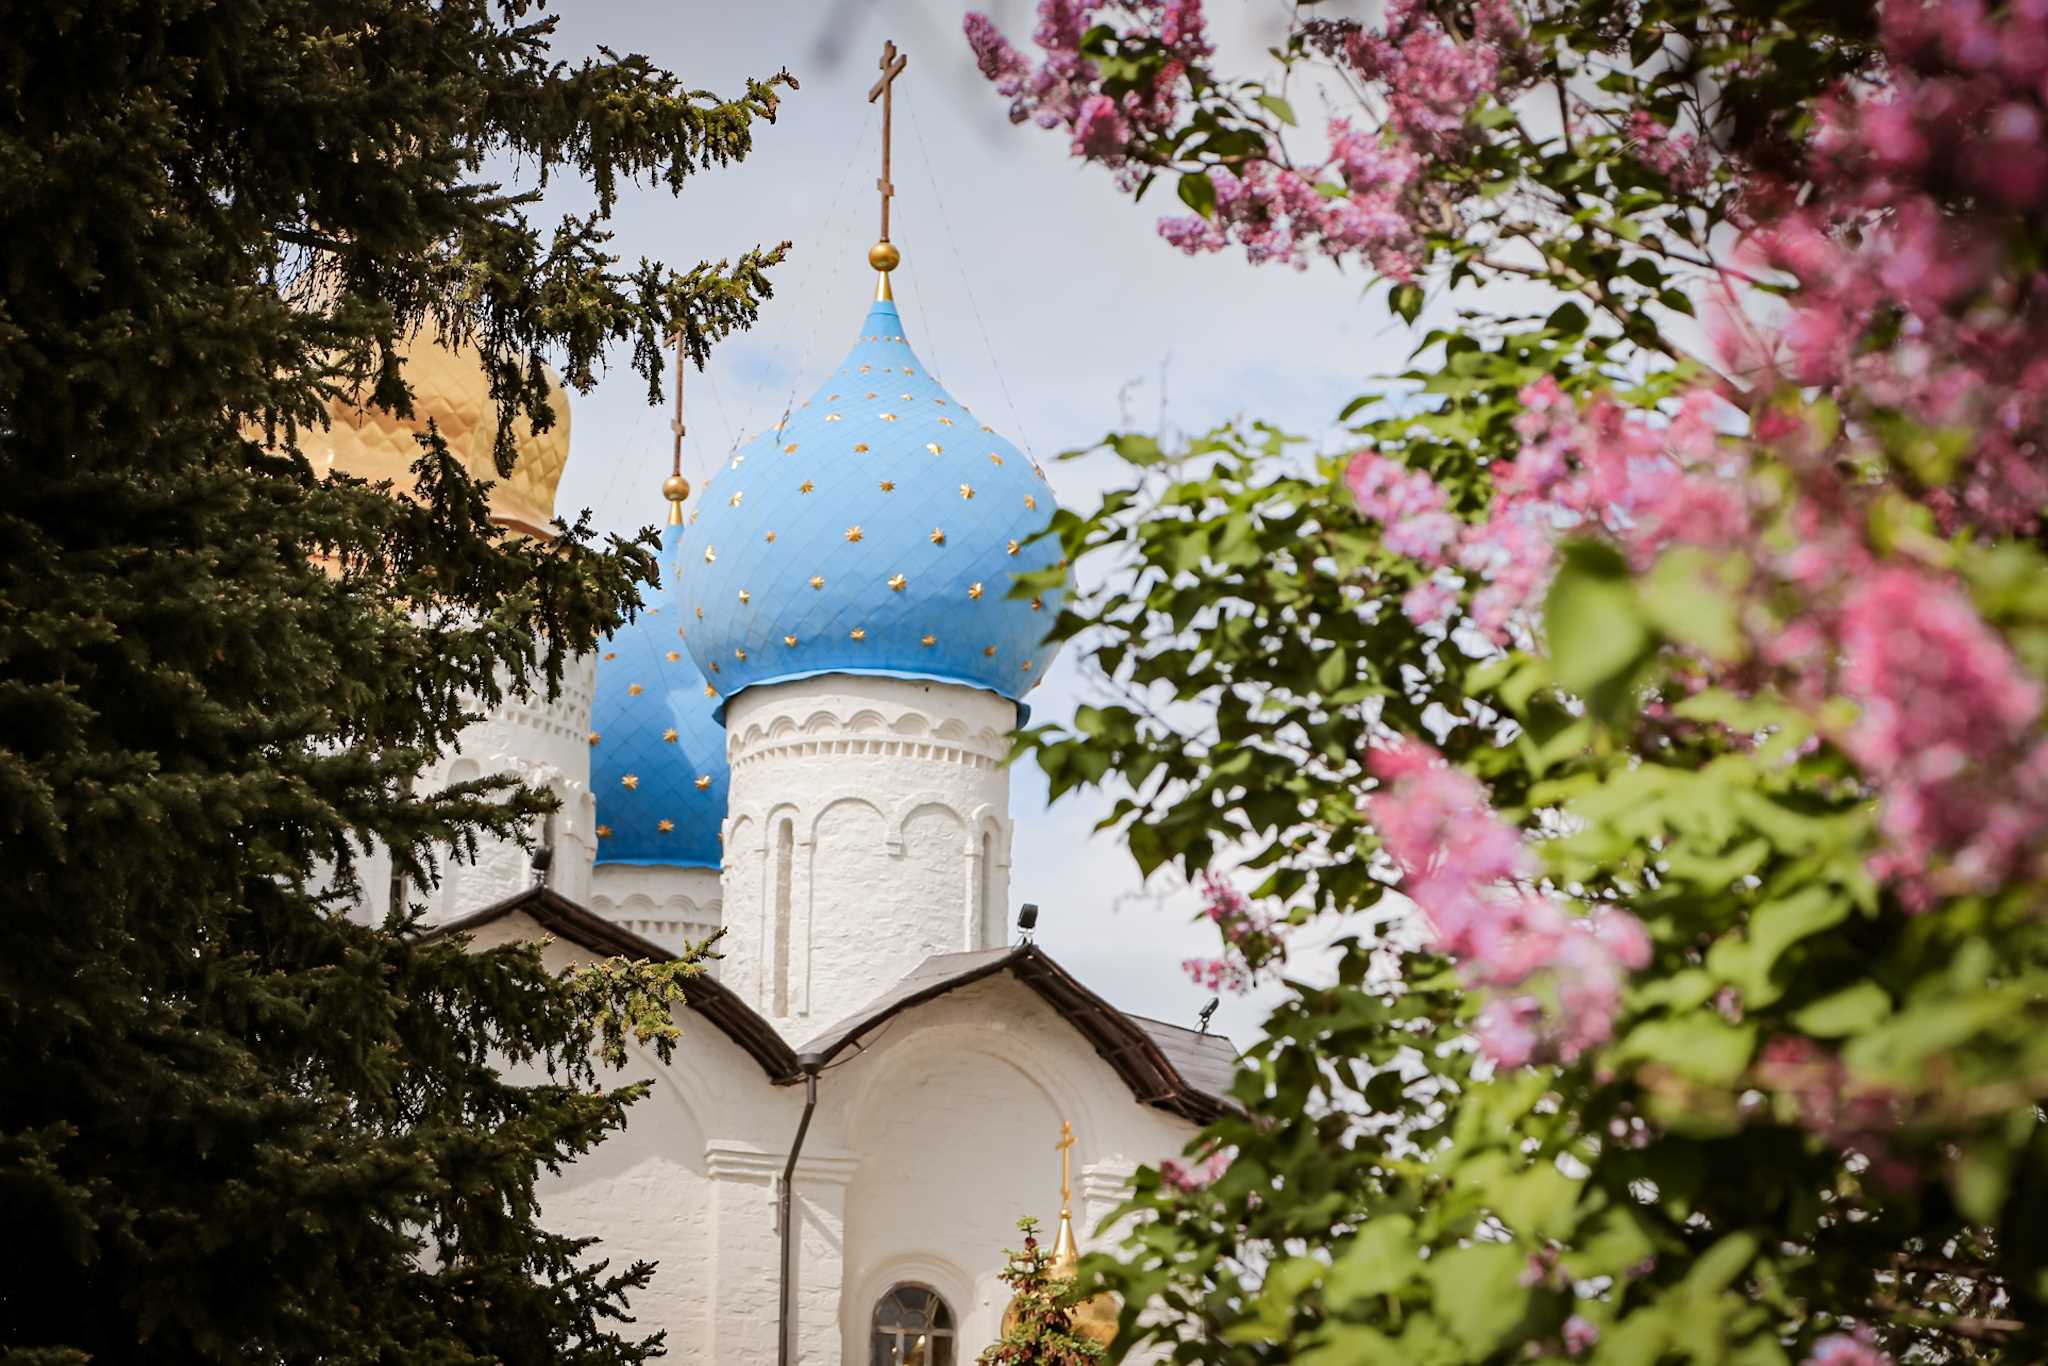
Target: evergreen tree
(235,1126)
(1038,1328)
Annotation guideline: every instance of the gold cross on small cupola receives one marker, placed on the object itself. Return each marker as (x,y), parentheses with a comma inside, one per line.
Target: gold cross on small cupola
(883,255)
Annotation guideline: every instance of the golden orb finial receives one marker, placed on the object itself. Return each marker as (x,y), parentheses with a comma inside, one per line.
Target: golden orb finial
(884,257)
(1094,1318)
(675,488)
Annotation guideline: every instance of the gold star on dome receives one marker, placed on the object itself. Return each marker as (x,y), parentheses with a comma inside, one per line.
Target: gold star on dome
(631,782)
(734,501)
(934,447)
(744,598)
(990,651)
(929,640)
(710,691)
(888,417)
(974,591)
(1010,547)
(985,427)
(680,634)
(860,448)
(595,737)
(770,538)
(1027,666)
(665,826)
(831,417)
(864,369)
(634,690)
(888,486)
(703,781)
(1030,502)
(897,583)
(858,633)
(790,641)
(740,655)
(805,487)
(967,490)
(714,666)
(938,536)
(669,736)
(817,580)
(611,654)
(831,398)
(700,614)
(853,533)
(1038,604)
(941,402)
(994,459)
(674,655)
(945,422)
(790,449)
(906,398)
(737,461)
(870,394)
(711,554)
(604,832)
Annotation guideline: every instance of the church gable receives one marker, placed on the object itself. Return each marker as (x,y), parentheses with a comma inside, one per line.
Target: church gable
(1177,1070)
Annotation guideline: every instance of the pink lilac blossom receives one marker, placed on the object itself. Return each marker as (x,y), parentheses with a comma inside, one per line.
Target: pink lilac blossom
(1554,979)
(1188,1177)
(1602,467)
(1948,729)
(1677,157)
(1579,1335)
(1108,121)
(1843,1349)
(1253,939)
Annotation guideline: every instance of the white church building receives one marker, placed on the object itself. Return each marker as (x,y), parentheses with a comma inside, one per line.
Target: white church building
(801,741)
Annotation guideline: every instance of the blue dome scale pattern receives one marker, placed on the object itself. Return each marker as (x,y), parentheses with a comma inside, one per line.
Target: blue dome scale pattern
(657,752)
(876,530)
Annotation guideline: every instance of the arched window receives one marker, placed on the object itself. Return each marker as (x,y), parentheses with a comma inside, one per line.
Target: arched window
(913,1327)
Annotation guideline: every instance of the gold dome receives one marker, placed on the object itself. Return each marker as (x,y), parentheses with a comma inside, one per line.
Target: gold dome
(450,388)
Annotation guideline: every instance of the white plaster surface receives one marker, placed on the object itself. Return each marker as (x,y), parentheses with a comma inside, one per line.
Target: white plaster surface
(889,790)
(673,907)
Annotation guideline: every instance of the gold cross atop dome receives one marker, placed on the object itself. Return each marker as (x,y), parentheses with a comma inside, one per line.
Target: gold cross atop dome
(883,255)
(1066,1147)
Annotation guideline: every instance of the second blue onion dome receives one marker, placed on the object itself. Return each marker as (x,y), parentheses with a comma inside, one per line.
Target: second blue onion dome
(657,751)
(876,530)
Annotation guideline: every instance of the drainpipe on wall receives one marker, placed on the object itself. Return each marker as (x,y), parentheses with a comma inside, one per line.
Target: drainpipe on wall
(810,1064)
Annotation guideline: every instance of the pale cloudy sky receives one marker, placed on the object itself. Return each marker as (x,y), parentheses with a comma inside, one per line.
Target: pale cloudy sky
(1031,289)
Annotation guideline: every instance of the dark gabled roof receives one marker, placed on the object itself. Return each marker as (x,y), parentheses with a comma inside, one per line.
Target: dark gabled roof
(1173,1069)
(718,1004)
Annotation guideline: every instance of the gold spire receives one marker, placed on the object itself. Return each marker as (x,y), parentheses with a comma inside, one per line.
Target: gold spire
(1066,1255)
(676,488)
(1095,1317)
(883,255)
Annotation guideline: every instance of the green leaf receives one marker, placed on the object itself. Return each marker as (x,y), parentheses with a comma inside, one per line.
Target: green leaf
(1198,192)
(1380,1259)
(1479,1294)
(1699,1045)
(1591,621)
(1852,1010)
(1406,300)
(1280,109)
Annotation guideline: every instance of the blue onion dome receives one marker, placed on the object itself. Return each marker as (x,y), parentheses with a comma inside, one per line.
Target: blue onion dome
(876,530)
(657,753)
